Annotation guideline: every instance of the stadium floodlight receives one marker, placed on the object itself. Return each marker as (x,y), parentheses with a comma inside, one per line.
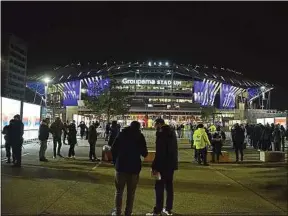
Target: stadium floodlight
(166,63)
(149,63)
(46,80)
(160,63)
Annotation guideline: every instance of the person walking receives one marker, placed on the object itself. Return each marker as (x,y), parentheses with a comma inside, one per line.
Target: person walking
(107,131)
(82,127)
(127,150)
(283,135)
(201,141)
(113,133)
(92,139)
(239,136)
(65,129)
(277,138)
(163,167)
(15,137)
(217,142)
(56,129)
(43,137)
(72,140)
(8,146)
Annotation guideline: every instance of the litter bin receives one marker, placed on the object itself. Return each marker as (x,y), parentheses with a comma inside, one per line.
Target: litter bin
(106,153)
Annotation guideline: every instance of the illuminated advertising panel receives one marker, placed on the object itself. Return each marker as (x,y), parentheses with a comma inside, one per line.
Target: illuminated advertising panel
(252,92)
(227,96)
(204,92)
(197,90)
(38,87)
(10,108)
(269,121)
(31,116)
(281,121)
(95,88)
(71,93)
(260,121)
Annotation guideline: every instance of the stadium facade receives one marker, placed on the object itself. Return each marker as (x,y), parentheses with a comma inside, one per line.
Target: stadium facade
(156,89)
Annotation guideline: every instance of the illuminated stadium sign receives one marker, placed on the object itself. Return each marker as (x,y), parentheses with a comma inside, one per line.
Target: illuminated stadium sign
(150,82)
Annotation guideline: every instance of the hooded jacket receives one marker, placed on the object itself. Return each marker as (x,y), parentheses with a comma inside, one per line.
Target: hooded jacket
(200,138)
(129,145)
(92,134)
(43,132)
(15,132)
(166,157)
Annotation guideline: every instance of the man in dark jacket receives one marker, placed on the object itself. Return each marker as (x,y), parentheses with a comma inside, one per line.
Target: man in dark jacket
(65,129)
(56,130)
(113,133)
(43,137)
(92,139)
(16,129)
(8,146)
(82,129)
(72,139)
(165,163)
(277,138)
(127,150)
(217,142)
(238,137)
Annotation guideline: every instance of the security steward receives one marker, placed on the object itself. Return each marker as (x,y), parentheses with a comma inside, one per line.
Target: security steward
(201,142)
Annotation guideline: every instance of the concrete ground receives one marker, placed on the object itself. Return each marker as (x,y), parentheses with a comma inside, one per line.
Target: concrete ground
(79,187)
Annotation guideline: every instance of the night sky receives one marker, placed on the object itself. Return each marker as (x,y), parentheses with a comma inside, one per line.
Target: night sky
(250,37)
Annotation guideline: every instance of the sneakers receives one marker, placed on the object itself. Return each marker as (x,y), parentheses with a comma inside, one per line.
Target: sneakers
(60,155)
(166,212)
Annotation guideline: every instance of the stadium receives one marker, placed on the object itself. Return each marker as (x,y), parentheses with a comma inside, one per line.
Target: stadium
(173,91)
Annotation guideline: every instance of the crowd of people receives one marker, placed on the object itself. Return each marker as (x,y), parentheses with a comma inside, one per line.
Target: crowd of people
(129,145)
(265,137)
(13,135)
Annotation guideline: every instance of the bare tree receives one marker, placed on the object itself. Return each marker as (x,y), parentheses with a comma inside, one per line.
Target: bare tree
(107,97)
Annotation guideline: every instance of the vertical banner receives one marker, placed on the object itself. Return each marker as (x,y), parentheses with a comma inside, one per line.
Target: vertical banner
(96,88)
(227,96)
(71,93)
(204,92)
(197,89)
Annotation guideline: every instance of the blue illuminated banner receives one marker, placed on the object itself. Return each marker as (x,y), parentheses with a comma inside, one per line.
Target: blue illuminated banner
(71,93)
(95,88)
(38,87)
(204,92)
(227,96)
(253,92)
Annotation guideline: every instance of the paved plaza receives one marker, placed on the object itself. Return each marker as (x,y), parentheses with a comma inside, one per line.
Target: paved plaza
(80,187)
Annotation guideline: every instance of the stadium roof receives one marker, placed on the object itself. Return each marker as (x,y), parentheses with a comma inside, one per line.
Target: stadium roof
(80,71)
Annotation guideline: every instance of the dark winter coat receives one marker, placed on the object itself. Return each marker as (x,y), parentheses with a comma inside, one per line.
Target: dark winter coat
(5,132)
(72,132)
(92,134)
(113,134)
(238,136)
(56,129)
(127,150)
(277,135)
(166,158)
(16,129)
(43,132)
